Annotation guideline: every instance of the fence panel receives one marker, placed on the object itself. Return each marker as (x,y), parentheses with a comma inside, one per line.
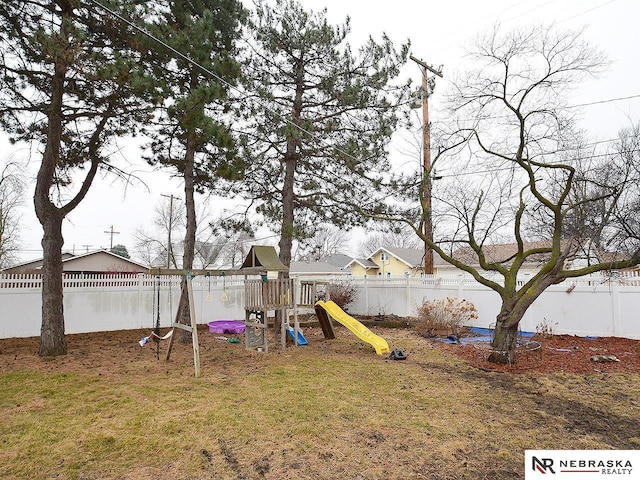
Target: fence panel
(94,303)
(593,305)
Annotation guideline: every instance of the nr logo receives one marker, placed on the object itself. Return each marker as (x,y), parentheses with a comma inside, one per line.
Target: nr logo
(543,465)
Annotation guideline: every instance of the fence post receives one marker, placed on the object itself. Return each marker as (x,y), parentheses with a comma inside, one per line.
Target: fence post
(408,295)
(366,295)
(139,306)
(459,286)
(203,295)
(615,306)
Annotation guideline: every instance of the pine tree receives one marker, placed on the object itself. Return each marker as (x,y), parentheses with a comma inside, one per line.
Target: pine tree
(192,135)
(70,83)
(329,116)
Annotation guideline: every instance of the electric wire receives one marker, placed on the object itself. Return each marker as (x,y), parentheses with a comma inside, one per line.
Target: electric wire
(289,122)
(313,136)
(516,16)
(502,169)
(273,112)
(600,102)
(241,94)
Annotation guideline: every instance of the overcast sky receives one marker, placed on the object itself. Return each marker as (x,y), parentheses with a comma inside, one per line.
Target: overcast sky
(438,32)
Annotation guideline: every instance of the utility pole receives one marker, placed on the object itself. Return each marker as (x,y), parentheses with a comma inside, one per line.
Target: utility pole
(169,246)
(426,158)
(111,233)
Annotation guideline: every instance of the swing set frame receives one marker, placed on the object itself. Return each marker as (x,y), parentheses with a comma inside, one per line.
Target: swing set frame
(192,328)
(260,260)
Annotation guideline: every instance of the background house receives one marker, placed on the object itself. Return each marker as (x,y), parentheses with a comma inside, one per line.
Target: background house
(393,262)
(361,267)
(339,260)
(320,271)
(98,261)
(499,253)
(32,266)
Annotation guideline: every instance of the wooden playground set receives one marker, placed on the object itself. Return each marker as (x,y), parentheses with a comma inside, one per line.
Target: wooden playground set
(282,296)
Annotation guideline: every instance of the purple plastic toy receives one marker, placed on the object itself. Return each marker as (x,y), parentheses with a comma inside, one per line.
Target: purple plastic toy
(226,326)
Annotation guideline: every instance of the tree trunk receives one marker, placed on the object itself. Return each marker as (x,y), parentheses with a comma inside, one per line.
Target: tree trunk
(514,306)
(287,226)
(52,340)
(190,234)
(504,340)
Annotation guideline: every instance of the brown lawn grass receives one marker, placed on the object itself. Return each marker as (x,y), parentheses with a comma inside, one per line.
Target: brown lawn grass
(329,410)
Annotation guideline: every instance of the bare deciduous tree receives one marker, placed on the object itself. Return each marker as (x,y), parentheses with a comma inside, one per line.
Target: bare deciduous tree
(154,246)
(212,247)
(11,190)
(327,240)
(520,141)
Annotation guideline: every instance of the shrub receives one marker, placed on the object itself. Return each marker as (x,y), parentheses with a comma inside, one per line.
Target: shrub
(446,314)
(545,328)
(342,293)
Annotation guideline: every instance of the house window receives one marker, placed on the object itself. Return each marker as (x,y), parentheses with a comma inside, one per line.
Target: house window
(384,257)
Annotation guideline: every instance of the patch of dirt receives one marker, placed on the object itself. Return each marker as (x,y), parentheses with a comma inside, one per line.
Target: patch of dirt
(103,352)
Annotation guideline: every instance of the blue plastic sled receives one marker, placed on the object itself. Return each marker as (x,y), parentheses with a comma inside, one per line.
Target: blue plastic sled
(301,340)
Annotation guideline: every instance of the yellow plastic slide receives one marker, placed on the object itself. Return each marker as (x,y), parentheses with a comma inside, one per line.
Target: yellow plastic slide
(362,332)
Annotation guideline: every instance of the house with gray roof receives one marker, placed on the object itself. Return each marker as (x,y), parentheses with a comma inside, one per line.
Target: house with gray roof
(318,271)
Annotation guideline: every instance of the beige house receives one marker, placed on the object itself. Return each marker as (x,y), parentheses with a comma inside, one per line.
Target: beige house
(502,253)
(361,267)
(98,261)
(394,262)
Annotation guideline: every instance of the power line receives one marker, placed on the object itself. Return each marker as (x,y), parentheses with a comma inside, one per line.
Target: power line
(504,169)
(563,150)
(580,13)
(587,11)
(516,16)
(599,102)
(242,95)
(579,105)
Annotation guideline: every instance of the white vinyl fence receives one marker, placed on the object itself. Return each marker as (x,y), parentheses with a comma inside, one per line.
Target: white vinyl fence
(104,302)
(597,306)
(587,306)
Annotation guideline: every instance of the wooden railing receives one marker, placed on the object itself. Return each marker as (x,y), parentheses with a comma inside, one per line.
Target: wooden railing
(269,295)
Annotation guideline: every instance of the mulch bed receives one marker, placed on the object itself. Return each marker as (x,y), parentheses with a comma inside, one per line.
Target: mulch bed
(559,353)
